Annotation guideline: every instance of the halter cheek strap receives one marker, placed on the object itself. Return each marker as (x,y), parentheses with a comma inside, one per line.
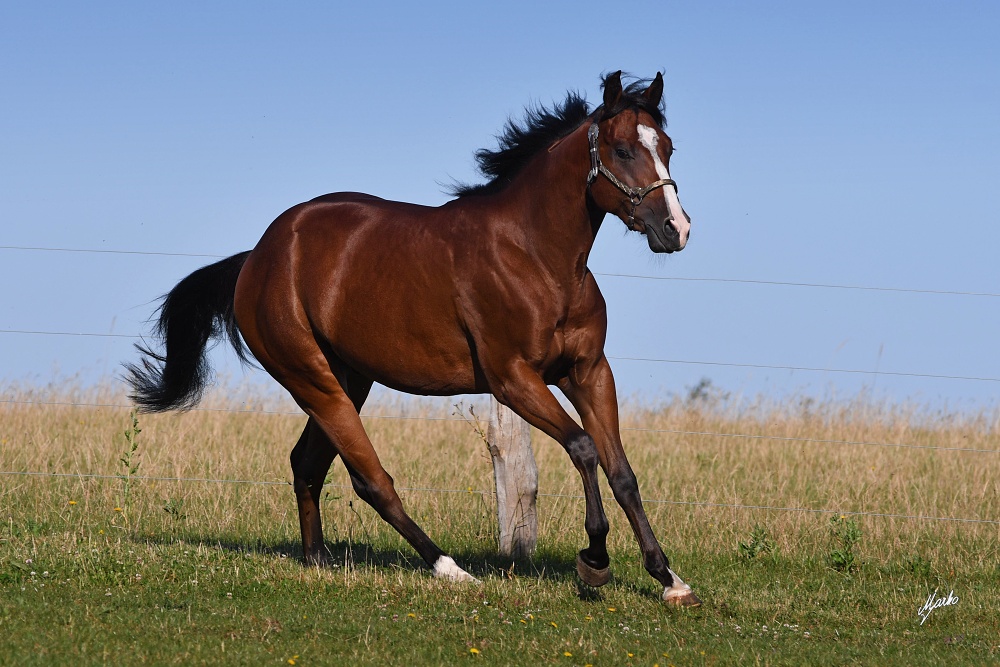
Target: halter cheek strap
(636,194)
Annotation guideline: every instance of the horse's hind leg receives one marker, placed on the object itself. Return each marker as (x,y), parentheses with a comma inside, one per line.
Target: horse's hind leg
(325,401)
(311,458)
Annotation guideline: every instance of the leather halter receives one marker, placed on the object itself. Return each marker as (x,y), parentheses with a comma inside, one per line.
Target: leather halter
(635,195)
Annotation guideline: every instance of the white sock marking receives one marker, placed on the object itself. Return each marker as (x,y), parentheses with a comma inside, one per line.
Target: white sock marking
(679,589)
(446,568)
(648,138)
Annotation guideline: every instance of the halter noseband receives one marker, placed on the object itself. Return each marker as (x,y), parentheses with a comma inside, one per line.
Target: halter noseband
(635,195)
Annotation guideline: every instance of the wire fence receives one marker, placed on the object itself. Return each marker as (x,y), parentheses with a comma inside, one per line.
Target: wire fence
(682,432)
(624,358)
(652,501)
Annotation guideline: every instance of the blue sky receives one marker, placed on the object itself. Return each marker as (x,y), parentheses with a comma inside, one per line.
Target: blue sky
(843,143)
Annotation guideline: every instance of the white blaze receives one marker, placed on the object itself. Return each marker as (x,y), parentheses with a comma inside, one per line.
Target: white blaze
(681,222)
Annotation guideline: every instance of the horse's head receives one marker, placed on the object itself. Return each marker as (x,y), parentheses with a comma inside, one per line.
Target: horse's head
(630,159)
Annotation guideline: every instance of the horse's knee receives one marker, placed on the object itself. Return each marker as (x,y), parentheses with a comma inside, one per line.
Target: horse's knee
(583,453)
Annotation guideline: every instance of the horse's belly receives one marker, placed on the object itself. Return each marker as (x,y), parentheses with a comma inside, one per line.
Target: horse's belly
(415,365)
(404,338)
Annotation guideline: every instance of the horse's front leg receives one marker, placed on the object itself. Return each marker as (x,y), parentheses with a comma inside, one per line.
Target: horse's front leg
(523,390)
(591,389)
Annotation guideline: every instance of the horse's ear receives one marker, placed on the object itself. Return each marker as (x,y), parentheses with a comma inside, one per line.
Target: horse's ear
(612,89)
(655,91)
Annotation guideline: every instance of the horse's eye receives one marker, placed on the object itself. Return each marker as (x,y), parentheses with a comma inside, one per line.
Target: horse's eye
(623,154)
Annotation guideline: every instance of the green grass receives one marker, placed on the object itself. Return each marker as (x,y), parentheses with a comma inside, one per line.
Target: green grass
(205,573)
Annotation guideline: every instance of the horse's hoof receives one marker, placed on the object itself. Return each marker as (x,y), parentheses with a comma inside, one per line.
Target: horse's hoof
(592,576)
(681,597)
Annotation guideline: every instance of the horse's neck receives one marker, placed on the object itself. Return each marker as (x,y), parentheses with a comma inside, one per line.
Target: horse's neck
(554,188)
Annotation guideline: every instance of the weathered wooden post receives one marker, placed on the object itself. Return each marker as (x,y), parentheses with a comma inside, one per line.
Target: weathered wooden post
(516,474)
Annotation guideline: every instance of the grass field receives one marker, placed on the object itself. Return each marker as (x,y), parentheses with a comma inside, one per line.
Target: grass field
(147,570)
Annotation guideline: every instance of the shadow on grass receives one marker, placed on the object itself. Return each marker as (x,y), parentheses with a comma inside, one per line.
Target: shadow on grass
(548,565)
(545,565)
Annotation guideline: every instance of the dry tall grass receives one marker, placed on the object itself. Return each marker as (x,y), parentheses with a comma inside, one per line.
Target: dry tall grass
(685,451)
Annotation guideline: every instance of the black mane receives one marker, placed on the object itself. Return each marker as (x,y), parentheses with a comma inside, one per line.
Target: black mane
(520,141)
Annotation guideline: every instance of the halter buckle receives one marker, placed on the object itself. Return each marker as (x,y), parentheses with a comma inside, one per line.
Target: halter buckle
(595,158)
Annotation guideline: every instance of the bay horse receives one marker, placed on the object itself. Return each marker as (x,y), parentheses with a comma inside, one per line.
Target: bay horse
(489,293)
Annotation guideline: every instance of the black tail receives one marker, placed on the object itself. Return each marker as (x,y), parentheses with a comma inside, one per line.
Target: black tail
(200,307)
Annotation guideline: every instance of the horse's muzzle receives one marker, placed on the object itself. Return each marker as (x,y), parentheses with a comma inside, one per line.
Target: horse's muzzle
(664,237)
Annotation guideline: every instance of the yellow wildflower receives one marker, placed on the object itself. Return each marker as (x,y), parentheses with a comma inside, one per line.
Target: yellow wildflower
(72,502)
(474,651)
(567,654)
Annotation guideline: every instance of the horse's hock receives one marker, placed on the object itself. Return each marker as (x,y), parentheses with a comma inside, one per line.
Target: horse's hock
(516,474)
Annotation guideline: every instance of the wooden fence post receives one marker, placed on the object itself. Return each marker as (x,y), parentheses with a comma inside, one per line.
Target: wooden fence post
(516,474)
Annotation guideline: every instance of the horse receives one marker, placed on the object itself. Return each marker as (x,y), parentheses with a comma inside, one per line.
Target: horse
(489,293)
